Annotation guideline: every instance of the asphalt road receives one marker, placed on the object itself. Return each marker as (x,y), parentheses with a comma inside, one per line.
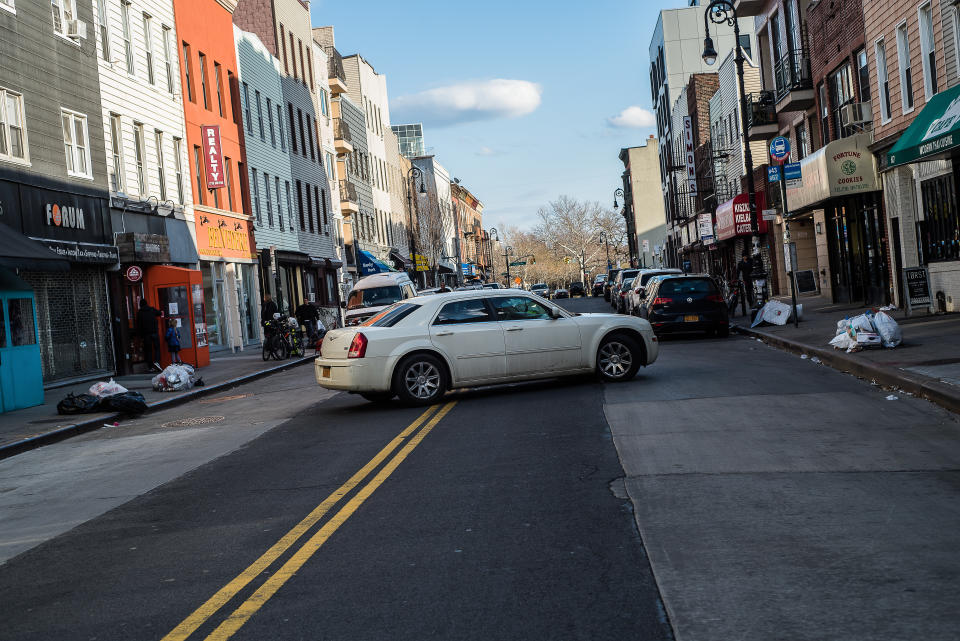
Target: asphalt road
(731,491)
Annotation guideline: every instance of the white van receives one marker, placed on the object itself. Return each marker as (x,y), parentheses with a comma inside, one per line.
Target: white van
(373,293)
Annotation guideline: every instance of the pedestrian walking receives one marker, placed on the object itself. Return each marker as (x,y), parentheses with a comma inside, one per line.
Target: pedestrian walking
(149,332)
(173,341)
(308,315)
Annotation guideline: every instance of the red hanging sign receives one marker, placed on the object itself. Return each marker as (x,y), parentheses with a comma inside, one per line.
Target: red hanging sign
(213,156)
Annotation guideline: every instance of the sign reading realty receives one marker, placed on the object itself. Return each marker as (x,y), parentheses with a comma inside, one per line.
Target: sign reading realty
(213,156)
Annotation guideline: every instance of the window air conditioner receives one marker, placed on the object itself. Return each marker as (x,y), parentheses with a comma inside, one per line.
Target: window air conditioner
(77,29)
(856,113)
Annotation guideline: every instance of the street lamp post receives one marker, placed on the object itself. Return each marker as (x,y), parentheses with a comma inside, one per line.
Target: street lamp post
(412,174)
(631,241)
(603,235)
(720,12)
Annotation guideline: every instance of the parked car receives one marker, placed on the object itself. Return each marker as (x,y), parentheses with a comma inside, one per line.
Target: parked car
(493,286)
(598,284)
(685,303)
(561,292)
(622,296)
(418,349)
(576,289)
(637,291)
(618,285)
(607,284)
(372,293)
(541,289)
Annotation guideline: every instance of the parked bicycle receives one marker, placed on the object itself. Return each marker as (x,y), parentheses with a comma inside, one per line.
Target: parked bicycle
(293,338)
(274,344)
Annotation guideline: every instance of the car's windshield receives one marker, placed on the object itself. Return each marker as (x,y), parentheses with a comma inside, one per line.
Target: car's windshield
(627,282)
(391,315)
(374,296)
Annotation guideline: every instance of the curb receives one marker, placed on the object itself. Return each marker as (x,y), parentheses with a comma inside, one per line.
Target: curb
(943,395)
(33,442)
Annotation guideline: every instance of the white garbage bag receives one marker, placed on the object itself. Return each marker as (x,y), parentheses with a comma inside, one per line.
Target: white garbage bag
(843,341)
(174,378)
(862,323)
(102,389)
(889,330)
(775,313)
(842,326)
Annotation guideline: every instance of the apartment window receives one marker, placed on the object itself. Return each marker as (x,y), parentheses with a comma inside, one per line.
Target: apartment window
(283,44)
(303,138)
(139,153)
(198,174)
(244,188)
(293,128)
(178,168)
(186,72)
(309,207)
(303,222)
(841,93)
(13,139)
(321,205)
(286,185)
(267,198)
(246,108)
(161,166)
(883,81)
(928,52)
(803,141)
(234,97)
(218,78)
(102,22)
(116,154)
(203,79)
(256,195)
(324,105)
(293,54)
(263,133)
(906,75)
(75,143)
(63,12)
(228,175)
(824,114)
(331,169)
(167,59)
(310,67)
(276,185)
(283,143)
(216,197)
(148,45)
(311,137)
(863,75)
(127,35)
(303,68)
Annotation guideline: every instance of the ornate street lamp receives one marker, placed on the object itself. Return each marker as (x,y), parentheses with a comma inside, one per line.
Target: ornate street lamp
(603,236)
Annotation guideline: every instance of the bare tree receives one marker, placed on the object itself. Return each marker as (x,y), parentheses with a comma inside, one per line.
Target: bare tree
(572,229)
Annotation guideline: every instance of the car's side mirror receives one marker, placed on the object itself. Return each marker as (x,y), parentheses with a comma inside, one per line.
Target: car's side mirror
(642,292)
(555,313)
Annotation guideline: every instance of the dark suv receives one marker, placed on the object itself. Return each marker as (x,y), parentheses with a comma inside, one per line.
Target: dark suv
(685,303)
(576,289)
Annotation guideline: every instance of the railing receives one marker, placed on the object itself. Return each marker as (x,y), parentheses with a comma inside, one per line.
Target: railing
(341,130)
(792,72)
(335,64)
(348,193)
(762,110)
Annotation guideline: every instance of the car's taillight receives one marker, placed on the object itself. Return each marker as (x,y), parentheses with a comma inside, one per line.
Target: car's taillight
(716,298)
(623,294)
(659,300)
(358,347)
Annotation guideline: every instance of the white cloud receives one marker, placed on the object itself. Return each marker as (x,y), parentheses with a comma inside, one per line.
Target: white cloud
(487,151)
(633,117)
(469,102)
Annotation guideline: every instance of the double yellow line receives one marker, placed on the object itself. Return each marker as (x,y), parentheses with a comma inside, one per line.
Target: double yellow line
(254,602)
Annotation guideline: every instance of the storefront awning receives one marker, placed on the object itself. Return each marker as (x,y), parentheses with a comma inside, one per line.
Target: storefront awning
(295,258)
(935,131)
(370,264)
(446,268)
(19,252)
(400,259)
(733,216)
(844,167)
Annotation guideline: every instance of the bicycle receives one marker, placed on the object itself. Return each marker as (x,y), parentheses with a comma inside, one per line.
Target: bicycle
(293,340)
(274,345)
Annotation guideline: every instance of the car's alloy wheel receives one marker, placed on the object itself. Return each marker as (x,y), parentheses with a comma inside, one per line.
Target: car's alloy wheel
(618,358)
(420,380)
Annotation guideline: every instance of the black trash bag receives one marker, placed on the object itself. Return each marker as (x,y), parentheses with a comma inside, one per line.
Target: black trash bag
(127,402)
(79,404)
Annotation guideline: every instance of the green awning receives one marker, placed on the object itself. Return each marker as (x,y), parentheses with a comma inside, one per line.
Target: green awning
(935,131)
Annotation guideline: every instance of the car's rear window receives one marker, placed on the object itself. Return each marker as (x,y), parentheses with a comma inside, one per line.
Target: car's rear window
(645,278)
(374,296)
(687,286)
(391,315)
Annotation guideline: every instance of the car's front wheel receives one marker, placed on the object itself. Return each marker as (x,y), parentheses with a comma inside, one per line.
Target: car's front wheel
(420,380)
(618,358)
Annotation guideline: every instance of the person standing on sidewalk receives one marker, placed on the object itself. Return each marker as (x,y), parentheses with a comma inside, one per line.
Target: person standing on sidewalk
(308,315)
(147,318)
(267,309)
(173,341)
(745,276)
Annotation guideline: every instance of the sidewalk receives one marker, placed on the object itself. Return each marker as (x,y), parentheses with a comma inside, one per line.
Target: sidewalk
(35,426)
(926,364)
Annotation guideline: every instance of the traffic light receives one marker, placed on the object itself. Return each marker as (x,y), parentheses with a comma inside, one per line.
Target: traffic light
(566,259)
(533,260)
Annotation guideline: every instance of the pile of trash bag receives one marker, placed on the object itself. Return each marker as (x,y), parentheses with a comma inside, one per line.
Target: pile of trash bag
(773,312)
(174,378)
(104,397)
(867,330)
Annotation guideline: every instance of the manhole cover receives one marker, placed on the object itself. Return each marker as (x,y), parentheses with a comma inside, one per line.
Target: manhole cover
(196,420)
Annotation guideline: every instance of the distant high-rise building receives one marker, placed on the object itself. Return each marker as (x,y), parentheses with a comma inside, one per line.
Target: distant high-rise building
(411,139)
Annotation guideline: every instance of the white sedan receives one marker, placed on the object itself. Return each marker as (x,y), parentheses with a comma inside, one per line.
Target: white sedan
(419,348)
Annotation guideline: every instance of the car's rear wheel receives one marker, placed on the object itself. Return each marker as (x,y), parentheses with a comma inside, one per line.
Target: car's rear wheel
(618,358)
(420,379)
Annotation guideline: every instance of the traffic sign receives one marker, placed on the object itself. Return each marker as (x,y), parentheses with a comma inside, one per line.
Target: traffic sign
(779,148)
(791,173)
(773,173)
(518,263)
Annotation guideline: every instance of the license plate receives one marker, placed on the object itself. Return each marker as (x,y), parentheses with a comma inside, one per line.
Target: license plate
(691,318)
(325,372)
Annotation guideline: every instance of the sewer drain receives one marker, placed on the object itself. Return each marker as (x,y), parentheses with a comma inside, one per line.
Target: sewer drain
(196,420)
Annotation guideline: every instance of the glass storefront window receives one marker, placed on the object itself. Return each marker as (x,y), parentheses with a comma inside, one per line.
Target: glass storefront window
(213,302)
(175,306)
(22,328)
(939,231)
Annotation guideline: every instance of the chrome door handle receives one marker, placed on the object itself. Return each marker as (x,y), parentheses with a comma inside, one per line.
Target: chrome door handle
(444,334)
(514,329)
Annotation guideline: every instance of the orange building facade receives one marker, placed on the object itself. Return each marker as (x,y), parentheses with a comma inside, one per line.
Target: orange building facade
(219,216)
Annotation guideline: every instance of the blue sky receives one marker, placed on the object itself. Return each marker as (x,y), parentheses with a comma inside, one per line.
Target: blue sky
(514,145)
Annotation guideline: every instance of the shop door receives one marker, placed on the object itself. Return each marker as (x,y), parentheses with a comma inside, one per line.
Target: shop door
(21,375)
(213,296)
(246,294)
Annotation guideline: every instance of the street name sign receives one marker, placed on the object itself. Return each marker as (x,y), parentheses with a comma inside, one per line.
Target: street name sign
(792,174)
(518,263)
